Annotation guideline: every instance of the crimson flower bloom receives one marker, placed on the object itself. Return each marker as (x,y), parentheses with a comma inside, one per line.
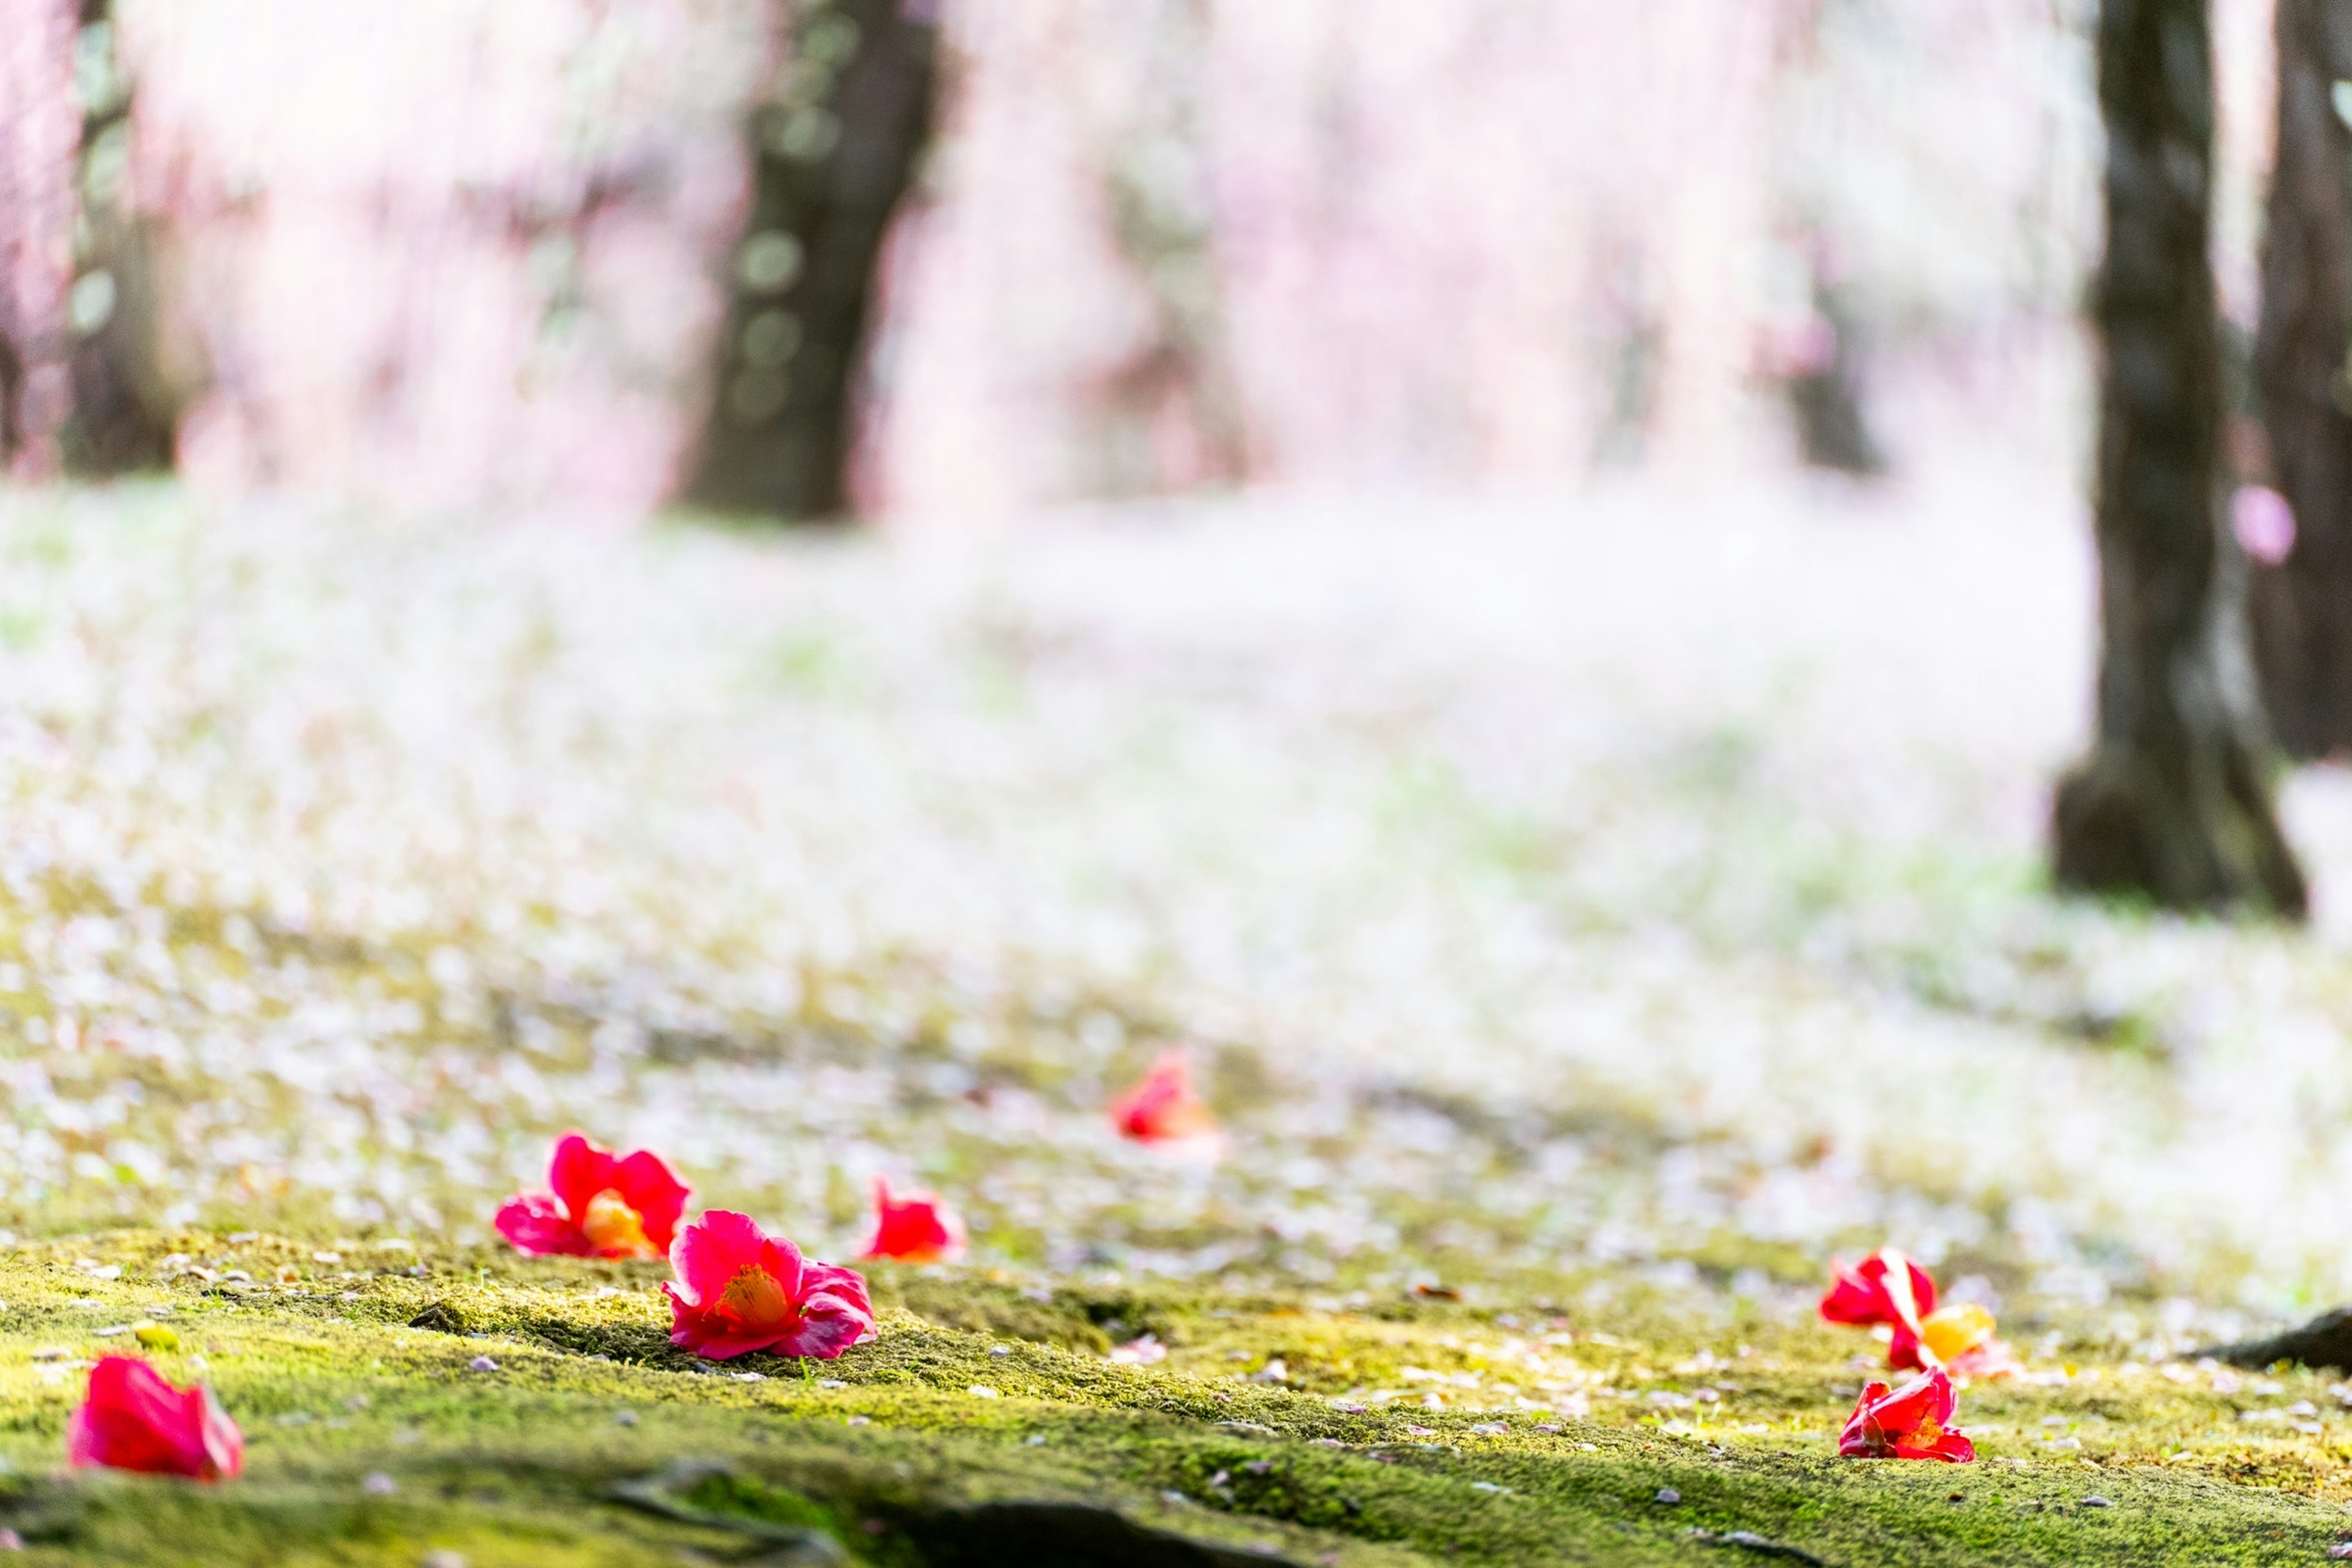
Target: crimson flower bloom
(1888,1290)
(601,1206)
(1910,1423)
(1163,1109)
(914,1228)
(134,1420)
(739,1290)
(1885,1288)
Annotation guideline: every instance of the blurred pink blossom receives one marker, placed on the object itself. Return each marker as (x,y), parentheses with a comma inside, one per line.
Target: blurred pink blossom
(468,253)
(2263,524)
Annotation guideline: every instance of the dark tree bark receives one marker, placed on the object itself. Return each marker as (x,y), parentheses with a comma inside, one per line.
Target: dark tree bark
(1832,425)
(2325,1342)
(124,407)
(837,147)
(2301,607)
(2174,801)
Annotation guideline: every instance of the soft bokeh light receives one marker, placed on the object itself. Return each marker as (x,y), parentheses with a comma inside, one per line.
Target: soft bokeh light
(457,253)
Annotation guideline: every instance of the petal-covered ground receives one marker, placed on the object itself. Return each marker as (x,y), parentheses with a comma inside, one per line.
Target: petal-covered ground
(1589,901)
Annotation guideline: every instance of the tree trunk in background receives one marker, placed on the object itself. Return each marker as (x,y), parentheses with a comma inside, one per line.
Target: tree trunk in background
(123,410)
(1172,412)
(2301,607)
(837,145)
(2174,801)
(37,123)
(1833,422)
(124,407)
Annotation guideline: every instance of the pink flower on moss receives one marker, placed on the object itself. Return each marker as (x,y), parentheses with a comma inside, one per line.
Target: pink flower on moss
(913,1228)
(739,1290)
(1162,1109)
(1913,1422)
(133,1419)
(602,1206)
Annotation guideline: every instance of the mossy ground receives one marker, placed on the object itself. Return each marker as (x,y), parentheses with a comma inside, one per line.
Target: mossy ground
(348,862)
(1398,1433)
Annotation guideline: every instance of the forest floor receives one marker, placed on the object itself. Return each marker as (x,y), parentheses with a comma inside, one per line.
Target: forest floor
(1591,914)
(545,1420)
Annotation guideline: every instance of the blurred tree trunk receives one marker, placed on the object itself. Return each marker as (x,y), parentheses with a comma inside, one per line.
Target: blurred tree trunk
(1172,412)
(124,408)
(1832,423)
(2301,607)
(837,145)
(2174,801)
(38,120)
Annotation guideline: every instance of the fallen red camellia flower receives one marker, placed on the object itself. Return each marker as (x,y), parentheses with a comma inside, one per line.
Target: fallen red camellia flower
(913,1228)
(1163,1109)
(603,1206)
(1887,1289)
(1883,1288)
(1909,1423)
(133,1419)
(739,1290)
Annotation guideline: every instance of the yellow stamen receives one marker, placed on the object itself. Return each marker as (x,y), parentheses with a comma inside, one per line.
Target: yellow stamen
(1952,1332)
(753,1298)
(615,1229)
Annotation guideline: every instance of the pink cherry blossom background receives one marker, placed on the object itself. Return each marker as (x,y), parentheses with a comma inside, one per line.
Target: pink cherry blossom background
(460,252)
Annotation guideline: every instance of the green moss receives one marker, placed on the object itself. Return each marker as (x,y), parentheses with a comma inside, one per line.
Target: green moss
(1381,1439)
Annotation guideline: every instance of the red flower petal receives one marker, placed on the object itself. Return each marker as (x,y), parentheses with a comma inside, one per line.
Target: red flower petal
(1990,1359)
(536,1225)
(834,1282)
(710,1252)
(1855,1300)
(739,1290)
(914,1228)
(828,1326)
(1906,1424)
(1863,1437)
(133,1419)
(713,1344)
(1922,1401)
(224,1442)
(1862,1294)
(638,1220)
(783,1264)
(648,1185)
(579,1172)
(1163,1109)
